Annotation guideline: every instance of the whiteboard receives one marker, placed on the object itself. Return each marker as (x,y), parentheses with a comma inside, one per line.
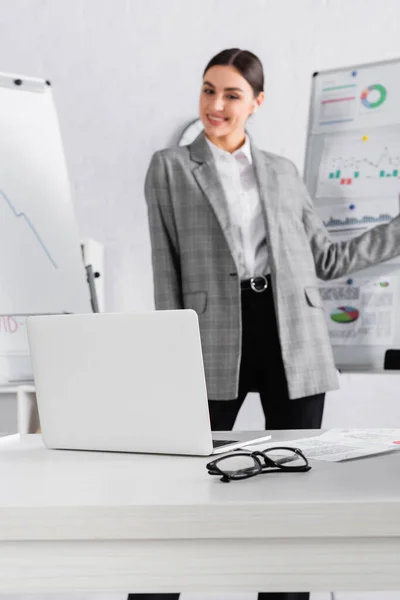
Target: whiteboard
(41,265)
(352,171)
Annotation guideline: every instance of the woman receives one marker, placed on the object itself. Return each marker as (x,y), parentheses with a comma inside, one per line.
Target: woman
(235,237)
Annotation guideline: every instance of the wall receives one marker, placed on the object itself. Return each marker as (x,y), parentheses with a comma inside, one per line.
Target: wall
(126,76)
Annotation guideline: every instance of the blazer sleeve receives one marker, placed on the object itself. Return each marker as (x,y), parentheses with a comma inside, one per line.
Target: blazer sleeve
(337,259)
(163,237)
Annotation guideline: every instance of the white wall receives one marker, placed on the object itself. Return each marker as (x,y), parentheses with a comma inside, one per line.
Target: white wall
(126,76)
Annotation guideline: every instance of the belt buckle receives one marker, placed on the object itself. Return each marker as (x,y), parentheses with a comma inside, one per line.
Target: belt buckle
(253,284)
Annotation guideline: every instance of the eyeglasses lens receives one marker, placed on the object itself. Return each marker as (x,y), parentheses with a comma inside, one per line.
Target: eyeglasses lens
(285,458)
(240,465)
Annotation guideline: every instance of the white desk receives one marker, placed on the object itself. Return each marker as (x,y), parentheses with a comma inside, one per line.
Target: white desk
(83,521)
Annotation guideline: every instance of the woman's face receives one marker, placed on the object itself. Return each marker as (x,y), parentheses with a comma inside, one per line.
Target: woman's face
(226,102)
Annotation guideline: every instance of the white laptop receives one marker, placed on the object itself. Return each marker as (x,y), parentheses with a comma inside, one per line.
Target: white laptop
(127,382)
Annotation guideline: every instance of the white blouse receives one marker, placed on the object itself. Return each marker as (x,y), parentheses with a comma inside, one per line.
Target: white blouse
(237,176)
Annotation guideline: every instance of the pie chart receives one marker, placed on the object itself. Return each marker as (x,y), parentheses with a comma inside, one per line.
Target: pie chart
(345,314)
(378,94)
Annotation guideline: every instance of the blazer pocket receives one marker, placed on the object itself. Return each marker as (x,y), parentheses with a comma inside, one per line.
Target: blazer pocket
(313,296)
(195,300)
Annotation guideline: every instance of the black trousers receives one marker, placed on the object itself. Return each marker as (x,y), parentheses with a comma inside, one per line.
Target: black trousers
(261,371)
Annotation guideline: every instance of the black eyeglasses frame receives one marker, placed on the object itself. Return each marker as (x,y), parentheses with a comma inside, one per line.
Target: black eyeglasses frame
(262,464)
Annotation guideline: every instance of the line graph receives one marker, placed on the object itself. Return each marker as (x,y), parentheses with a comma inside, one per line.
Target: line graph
(356,168)
(357,165)
(22,215)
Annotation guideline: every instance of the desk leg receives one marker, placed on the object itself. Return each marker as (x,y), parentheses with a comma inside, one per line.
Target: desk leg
(28,416)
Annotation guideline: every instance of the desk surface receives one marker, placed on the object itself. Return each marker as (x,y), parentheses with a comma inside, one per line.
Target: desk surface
(154,488)
(160,523)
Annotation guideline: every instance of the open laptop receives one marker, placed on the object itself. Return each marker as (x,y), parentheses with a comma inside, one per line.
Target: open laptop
(127,382)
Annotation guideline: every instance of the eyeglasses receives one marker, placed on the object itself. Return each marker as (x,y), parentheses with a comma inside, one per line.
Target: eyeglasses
(242,464)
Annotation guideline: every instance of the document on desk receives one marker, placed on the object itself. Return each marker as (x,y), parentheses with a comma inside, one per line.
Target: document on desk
(337,445)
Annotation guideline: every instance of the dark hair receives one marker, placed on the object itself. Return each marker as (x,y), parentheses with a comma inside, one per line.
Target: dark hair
(247,63)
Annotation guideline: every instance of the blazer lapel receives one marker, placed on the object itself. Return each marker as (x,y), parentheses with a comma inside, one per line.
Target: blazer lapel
(268,185)
(206,174)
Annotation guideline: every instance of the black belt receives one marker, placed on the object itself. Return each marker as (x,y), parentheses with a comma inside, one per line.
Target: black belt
(257,284)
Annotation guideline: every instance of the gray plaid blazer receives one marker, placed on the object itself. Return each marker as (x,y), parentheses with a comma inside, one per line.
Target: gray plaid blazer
(193,264)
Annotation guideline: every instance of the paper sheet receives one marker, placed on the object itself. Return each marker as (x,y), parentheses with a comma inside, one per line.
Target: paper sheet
(361,311)
(343,444)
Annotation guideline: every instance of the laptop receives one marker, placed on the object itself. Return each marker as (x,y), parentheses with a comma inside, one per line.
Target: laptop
(124,382)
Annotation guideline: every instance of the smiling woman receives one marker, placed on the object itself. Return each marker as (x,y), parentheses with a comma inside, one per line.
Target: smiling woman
(235,237)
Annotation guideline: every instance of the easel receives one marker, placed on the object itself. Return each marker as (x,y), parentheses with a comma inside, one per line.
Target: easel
(90,277)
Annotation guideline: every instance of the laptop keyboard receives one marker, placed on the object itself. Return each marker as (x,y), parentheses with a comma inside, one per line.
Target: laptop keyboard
(219,443)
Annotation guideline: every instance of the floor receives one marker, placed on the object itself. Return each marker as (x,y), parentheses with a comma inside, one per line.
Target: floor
(227,596)
(183,597)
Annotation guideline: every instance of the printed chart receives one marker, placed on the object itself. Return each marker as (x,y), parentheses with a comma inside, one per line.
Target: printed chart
(357,216)
(361,311)
(363,169)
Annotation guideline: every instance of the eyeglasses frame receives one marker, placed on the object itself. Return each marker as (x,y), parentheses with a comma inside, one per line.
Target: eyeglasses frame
(270,465)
